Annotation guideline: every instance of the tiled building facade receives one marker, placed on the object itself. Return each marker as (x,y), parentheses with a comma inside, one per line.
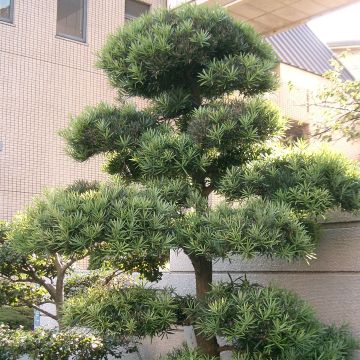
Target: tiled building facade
(45,77)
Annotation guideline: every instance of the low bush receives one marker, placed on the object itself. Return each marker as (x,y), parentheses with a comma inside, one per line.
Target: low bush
(49,345)
(262,323)
(186,354)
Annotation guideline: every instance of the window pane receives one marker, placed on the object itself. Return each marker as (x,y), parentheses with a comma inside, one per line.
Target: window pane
(134,9)
(6,10)
(71,19)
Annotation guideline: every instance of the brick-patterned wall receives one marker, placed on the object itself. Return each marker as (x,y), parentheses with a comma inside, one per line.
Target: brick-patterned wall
(43,79)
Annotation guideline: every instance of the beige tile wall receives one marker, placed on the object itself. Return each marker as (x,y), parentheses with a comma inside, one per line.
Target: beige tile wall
(43,79)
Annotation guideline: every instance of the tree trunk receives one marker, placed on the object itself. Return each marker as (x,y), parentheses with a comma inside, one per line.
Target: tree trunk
(59,289)
(203,277)
(59,297)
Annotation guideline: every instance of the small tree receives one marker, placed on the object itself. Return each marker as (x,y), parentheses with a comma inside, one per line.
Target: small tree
(205,130)
(23,278)
(33,278)
(340,101)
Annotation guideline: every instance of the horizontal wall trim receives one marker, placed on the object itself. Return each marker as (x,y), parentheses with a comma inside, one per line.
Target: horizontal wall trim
(53,62)
(301,272)
(341,224)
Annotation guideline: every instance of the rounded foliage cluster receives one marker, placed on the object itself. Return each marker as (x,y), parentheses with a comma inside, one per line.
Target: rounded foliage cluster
(203,52)
(268,323)
(256,322)
(256,227)
(106,128)
(310,182)
(108,222)
(126,312)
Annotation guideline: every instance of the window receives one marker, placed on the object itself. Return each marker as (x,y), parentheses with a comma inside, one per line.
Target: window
(134,9)
(71,19)
(6,10)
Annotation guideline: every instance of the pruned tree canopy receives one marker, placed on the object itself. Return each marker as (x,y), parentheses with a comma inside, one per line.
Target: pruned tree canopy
(206,130)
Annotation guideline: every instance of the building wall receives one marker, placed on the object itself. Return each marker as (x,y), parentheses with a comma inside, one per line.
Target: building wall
(43,79)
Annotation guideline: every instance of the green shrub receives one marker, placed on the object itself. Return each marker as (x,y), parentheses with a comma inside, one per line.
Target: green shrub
(50,345)
(127,312)
(268,323)
(186,354)
(256,322)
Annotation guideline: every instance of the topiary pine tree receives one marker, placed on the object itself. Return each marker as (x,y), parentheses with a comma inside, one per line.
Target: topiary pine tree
(206,129)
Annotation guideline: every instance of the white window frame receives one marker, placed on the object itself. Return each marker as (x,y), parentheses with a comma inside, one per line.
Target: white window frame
(130,17)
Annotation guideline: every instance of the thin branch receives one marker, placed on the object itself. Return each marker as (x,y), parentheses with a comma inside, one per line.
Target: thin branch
(47,313)
(49,288)
(68,264)
(111,276)
(32,279)
(333,106)
(58,262)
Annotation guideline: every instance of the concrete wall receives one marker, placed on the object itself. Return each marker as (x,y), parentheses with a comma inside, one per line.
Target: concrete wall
(43,79)
(331,283)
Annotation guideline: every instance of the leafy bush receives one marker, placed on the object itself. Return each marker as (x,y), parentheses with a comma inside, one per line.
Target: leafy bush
(186,354)
(50,345)
(256,322)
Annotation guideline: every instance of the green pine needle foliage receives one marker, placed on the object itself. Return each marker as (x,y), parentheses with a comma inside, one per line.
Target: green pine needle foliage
(268,323)
(188,48)
(125,312)
(14,269)
(255,322)
(108,222)
(258,227)
(186,354)
(310,182)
